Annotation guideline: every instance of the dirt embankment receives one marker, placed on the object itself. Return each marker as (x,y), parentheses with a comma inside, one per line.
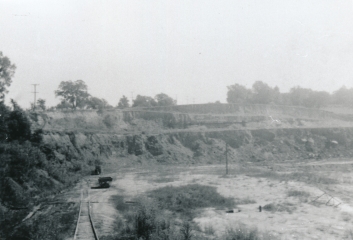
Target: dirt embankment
(205,147)
(188,116)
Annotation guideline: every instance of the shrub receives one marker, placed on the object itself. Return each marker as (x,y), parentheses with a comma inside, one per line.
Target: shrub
(148,222)
(186,231)
(209,230)
(281,207)
(109,121)
(270,207)
(242,232)
(302,195)
(187,198)
(37,136)
(19,127)
(296,193)
(348,234)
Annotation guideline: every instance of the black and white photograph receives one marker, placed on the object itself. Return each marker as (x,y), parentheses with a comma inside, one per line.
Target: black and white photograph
(176,120)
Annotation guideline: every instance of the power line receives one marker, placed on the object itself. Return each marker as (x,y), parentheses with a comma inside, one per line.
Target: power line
(35,96)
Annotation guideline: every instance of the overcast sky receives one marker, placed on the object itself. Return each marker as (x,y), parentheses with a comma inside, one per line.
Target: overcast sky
(190,49)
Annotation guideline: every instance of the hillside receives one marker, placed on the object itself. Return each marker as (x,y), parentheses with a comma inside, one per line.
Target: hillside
(198,133)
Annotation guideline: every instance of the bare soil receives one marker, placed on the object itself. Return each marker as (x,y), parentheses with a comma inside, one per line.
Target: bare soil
(325,213)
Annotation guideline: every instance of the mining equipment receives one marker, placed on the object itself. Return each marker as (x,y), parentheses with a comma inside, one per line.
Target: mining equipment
(104,182)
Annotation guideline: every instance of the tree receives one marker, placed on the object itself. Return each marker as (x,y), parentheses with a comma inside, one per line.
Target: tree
(19,127)
(262,93)
(238,94)
(4,115)
(164,100)
(97,103)
(41,104)
(63,105)
(144,101)
(308,98)
(7,70)
(299,95)
(123,102)
(343,96)
(74,93)
(318,99)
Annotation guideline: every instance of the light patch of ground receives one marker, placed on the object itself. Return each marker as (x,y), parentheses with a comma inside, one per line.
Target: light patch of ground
(303,218)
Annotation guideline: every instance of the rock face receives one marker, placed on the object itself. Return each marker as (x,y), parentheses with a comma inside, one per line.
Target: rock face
(184,116)
(207,146)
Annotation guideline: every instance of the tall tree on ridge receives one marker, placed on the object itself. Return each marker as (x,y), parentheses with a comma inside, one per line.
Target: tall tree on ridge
(74,93)
(7,70)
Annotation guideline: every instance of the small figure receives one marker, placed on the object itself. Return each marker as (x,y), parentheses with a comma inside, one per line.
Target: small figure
(98,170)
(260,208)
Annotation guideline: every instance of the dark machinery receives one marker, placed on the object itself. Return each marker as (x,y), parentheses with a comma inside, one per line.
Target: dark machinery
(104,182)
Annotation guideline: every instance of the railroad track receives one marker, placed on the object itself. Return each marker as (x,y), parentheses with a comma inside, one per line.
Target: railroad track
(85,227)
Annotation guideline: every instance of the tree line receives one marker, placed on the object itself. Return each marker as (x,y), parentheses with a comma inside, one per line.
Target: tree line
(74,95)
(262,93)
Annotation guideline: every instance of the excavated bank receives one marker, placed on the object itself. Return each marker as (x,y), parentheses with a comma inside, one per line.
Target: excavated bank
(204,146)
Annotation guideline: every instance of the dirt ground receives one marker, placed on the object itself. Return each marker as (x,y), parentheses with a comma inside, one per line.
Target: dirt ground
(325,213)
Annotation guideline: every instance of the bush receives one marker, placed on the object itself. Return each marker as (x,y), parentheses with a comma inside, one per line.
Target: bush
(270,207)
(109,121)
(281,207)
(19,127)
(187,198)
(242,232)
(148,222)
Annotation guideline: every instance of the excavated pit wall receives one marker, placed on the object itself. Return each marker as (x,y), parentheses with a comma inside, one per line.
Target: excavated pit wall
(246,109)
(206,147)
(181,116)
(183,120)
(224,115)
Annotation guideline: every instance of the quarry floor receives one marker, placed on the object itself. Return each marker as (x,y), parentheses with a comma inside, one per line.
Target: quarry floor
(327,213)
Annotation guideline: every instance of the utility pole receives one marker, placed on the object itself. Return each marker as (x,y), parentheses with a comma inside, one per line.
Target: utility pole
(35,96)
(226,158)
(132,97)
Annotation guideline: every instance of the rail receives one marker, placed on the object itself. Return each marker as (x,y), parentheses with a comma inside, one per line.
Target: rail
(78,219)
(90,217)
(85,225)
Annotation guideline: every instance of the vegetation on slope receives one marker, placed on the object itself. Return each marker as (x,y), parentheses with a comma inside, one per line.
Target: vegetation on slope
(29,171)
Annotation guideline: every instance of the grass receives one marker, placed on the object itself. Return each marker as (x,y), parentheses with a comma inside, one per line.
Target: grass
(120,204)
(244,201)
(209,230)
(305,176)
(185,199)
(58,222)
(348,234)
(296,193)
(302,195)
(147,221)
(347,217)
(164,179)
(281,207)
(242,232)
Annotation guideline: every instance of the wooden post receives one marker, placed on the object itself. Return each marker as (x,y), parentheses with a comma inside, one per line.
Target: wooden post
(226,158)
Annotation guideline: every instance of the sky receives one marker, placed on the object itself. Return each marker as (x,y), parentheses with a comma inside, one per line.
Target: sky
(189,49)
